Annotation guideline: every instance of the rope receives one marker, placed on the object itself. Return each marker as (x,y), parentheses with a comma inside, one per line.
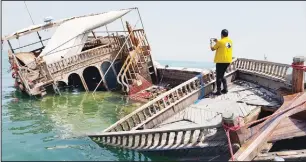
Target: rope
(299,67)
(238,127)
(200,76)
(49,53)
(202,86)
(227,131)
(19,45)
(33,22)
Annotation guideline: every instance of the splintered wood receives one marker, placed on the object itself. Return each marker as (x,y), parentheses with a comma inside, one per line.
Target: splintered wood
(252,147)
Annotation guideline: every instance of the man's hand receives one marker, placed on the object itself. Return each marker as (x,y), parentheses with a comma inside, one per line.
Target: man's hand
(214,40)
(211,43)
(211,47)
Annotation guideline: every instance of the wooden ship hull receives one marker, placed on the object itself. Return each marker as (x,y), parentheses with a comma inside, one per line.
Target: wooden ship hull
(187,118)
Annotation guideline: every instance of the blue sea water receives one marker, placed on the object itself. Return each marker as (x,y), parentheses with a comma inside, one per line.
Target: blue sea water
(54,128)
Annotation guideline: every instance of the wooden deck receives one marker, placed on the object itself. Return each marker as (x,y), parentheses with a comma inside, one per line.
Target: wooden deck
(243,98)
(177,120)
(198,125)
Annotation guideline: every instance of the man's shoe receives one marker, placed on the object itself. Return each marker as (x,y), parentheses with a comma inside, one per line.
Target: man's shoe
(217,93)
(224,91)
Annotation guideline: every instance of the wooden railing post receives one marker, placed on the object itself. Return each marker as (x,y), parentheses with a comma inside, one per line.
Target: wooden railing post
(230,120)
(298,75)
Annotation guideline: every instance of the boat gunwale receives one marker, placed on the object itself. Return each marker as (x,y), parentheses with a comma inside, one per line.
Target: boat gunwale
(155,130)
(160,97)
(266,62)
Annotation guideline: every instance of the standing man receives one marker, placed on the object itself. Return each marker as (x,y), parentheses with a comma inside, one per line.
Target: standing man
(223,58)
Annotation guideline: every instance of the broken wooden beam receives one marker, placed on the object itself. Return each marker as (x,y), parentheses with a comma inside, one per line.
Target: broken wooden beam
(286,155)
(288,128)
(252,147)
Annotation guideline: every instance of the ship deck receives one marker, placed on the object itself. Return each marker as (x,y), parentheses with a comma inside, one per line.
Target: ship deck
(242,98)
(198,126)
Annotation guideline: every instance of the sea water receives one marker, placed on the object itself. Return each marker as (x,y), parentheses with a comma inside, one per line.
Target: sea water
(54,127)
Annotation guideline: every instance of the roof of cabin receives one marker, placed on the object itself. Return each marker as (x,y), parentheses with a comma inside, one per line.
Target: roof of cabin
(74,32)
(43,26)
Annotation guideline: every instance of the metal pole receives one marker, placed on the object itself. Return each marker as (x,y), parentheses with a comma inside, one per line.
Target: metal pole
(140,17)
(122,24)
(110,42)
(9,43)
(142,25)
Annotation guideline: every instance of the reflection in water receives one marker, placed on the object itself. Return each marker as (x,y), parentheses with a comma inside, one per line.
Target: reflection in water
(77,114)
(54,127)
(58,125)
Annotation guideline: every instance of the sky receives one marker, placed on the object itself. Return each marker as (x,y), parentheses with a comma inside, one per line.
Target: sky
(181,30)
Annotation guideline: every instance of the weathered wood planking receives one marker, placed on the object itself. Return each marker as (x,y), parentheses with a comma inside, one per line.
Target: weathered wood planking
(165,139)
(288,128)
(252,147)
(286,155)
(208,111)
(298,75)
(181,120)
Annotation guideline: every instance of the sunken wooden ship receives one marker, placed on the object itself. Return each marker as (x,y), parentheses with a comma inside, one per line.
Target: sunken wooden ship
(90,57)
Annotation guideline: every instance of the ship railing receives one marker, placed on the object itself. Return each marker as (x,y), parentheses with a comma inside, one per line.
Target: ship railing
(91,54)
(138,33)
(159,138)
(270,70)
(83,59)
(151,109)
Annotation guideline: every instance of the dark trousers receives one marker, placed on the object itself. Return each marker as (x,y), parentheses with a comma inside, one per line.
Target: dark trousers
(220,71)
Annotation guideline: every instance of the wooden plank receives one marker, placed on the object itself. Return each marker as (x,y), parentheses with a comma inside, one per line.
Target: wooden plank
(298,75)
(251,148)
(288,128)
(253,115)
(266,148)
(287,155)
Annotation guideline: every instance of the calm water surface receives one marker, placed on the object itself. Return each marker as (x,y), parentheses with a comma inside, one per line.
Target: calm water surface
(54,128)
